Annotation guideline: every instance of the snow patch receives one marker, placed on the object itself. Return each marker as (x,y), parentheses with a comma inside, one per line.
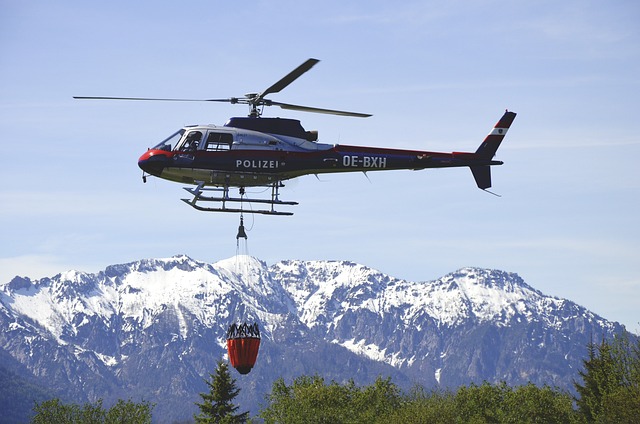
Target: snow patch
(109,361)
(372,351)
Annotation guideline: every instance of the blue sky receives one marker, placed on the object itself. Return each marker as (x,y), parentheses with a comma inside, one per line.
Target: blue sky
(436,75)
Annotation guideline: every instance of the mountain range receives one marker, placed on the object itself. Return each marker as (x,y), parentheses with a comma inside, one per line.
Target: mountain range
(154,329)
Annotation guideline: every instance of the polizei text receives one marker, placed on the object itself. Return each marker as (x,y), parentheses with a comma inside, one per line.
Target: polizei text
(257,164)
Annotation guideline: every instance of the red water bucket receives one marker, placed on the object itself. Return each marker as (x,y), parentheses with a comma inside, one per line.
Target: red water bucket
(243,342)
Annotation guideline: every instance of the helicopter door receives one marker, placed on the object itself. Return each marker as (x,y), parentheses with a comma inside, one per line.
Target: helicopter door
(218,141)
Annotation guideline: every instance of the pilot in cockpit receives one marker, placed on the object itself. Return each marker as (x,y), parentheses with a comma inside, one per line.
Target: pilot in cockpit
(192,141)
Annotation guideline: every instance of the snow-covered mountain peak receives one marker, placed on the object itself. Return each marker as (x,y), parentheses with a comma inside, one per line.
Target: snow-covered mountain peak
(321,289)
(71,283)
(483,295)
(181,262)
(490,279)
(252,280)
(306,278)
(241,263)
(72,277)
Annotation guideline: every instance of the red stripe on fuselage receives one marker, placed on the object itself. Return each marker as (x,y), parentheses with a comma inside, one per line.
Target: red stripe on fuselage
(385,151)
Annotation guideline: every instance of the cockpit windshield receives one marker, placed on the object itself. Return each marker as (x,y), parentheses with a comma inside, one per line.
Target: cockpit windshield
(170,141)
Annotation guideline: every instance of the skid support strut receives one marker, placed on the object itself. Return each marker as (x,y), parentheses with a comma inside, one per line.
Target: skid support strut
(225,198)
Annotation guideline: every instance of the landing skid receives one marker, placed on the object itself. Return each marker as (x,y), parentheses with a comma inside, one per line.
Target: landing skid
(198,196)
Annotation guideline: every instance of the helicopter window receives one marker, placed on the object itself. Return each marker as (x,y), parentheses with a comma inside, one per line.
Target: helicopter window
(170,141)
(191,141)
(217,141)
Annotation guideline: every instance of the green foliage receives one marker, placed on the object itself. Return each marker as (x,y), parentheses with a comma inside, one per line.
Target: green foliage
(481,403)
(129,412)
(311,400)
(610,389)
(54,411)
(419,406)
(489,404)
(217,405)
(532,404)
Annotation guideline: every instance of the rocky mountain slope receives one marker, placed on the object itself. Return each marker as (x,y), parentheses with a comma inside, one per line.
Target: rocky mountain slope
(153,329)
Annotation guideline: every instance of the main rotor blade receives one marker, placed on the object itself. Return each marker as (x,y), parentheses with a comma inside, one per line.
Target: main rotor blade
(320,110)
(289,78)
(231,100)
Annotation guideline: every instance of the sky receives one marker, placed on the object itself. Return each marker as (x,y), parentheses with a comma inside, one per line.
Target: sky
(436,75)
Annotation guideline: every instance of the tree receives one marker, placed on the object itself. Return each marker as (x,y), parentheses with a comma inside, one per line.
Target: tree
(611,382)
(599,377)
(217,405)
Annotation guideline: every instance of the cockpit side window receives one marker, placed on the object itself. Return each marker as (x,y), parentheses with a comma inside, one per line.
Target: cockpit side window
(191,142)
(217,141)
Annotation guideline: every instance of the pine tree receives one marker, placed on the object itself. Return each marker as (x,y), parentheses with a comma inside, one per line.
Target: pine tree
(217,405)
(603,376)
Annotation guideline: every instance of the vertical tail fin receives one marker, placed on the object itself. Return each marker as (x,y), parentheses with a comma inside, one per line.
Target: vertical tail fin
(489,146)
(488,149)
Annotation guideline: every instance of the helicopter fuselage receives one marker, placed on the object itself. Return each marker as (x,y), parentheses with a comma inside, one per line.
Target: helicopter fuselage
(240,156)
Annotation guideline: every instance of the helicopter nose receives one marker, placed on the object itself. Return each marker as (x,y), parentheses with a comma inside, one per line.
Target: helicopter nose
(152,162)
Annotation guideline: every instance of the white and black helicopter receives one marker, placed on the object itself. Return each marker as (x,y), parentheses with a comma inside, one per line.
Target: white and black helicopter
(256,151)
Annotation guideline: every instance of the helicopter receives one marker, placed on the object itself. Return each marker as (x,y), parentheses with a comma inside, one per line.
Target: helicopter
(256,151)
